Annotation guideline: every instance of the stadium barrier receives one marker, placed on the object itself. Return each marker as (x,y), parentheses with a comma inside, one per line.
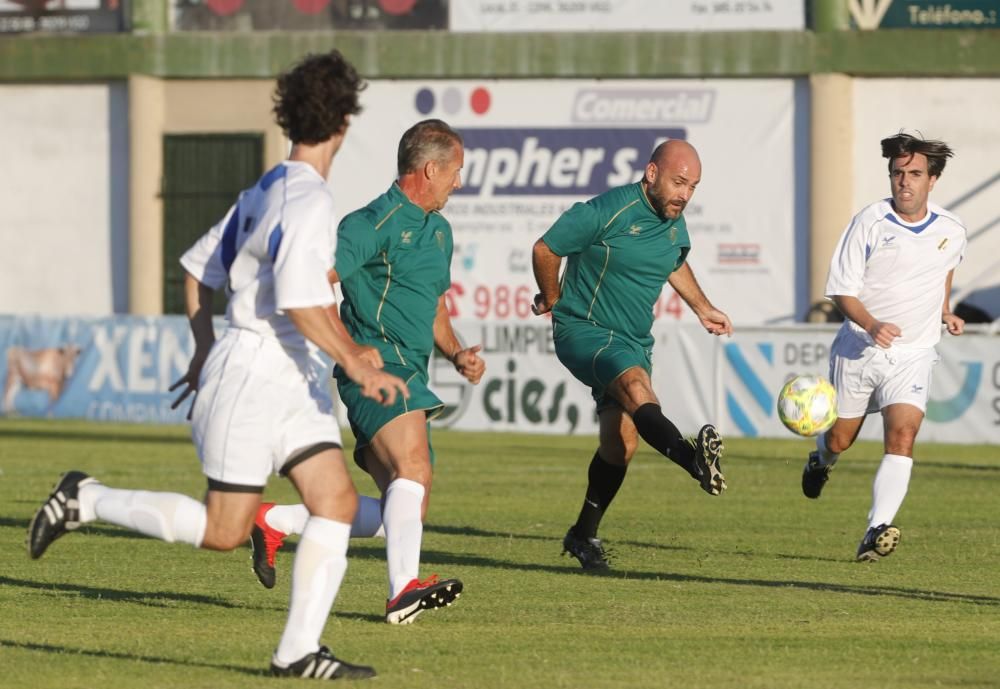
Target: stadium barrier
(120,369)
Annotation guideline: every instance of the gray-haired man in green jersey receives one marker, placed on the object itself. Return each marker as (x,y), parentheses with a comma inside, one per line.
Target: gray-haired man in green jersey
(621,246)
(393,259)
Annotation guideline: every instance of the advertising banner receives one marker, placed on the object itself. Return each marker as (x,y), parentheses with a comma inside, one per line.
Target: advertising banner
(121,369)
(731,382)
(104,369)
(308,15)
(627,15)
(62,16)
(924,14)
(534,148)
(965,392)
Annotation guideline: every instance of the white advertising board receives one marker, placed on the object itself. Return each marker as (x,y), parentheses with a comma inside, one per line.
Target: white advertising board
(731,382)
(626,15)
(535,147)
(963,113)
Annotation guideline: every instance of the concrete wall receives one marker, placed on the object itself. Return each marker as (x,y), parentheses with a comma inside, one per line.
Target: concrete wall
(64,198)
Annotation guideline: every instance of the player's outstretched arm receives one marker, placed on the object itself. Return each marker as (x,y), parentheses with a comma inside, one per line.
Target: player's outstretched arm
(545,264)
(198,303)
(684,283)
(466,361)
(314,323)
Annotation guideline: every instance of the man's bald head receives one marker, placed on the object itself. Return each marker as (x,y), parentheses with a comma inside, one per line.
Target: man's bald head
(673,172)
(672,149)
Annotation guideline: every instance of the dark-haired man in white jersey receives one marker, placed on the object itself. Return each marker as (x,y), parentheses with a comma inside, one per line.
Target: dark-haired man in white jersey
(891,277)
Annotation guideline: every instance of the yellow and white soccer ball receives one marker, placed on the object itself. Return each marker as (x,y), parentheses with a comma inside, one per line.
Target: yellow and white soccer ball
(807,405)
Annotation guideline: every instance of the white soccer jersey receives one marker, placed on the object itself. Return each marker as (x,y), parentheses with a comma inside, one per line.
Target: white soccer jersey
(898,269)
(271,252)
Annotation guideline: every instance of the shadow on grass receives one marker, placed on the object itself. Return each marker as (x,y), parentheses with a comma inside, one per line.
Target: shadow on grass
(443,558)
(92,529)
(480,533)
(155,660)
(156,599)
(97,435)
(866,462)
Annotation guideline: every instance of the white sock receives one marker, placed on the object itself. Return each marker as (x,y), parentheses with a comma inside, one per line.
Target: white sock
(291,519)
(826,457)
(320,563)
(403,532)
(287,518)
(889,489)
(171,517)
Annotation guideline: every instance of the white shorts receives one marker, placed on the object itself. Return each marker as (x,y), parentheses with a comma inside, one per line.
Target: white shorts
(256,407)
(869,378)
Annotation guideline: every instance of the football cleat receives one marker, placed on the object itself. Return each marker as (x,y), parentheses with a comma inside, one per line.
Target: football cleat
(322,665)
(879,542)
(708,449)
(264,543)
(589,551)
(58,514)
(814,476)
(419,596)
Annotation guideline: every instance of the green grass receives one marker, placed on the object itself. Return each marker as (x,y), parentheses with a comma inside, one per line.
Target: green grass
(753,589)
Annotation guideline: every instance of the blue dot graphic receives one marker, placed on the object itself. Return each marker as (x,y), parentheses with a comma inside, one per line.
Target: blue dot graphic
(425,101)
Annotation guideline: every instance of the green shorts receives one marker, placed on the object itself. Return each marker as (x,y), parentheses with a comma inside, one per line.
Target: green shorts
(367,416)
(597,356)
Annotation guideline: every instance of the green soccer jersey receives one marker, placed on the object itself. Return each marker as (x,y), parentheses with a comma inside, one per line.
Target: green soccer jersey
(394,263)
(619,254)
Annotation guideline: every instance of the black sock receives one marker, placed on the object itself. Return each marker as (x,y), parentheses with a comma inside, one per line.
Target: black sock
(663,436)
(604,480)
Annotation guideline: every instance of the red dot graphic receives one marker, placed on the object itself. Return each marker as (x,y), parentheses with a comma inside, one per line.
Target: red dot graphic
(397,6)
(224,8)
(310,6)
(480,101)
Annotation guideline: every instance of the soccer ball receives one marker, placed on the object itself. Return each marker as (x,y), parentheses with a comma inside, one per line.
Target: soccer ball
(807,405)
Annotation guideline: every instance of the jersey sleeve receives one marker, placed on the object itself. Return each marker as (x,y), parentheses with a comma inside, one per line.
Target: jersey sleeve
(574,230)
(357,243)
(301,248)
(847,267)
(203,261)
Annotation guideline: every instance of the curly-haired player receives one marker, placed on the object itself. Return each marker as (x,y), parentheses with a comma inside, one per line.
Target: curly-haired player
(262,402)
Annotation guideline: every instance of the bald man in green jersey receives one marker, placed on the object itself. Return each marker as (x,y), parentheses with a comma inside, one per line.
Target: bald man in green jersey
(621,247)
(393,259)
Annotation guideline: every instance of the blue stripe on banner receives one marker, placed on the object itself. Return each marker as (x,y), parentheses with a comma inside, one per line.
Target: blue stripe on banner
(273,175)
(229,239)
(767,349)
(739,417)
(274,243)
(753,383)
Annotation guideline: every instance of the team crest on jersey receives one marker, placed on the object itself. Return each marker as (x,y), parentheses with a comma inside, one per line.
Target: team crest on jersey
(406,236)
(439,236)
(634,230)
(673,235)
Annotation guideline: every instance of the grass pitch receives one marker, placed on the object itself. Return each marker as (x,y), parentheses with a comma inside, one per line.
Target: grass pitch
(757,588)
